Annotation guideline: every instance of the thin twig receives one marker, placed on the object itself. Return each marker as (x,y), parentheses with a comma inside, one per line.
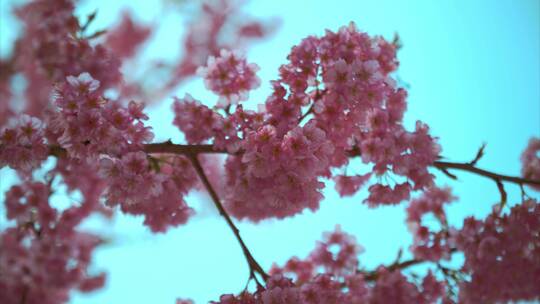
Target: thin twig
(504,196)
(479,155)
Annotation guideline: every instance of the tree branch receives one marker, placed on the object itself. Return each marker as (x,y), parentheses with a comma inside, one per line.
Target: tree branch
(494,176)
(374,275)
(254,267)
(169,147)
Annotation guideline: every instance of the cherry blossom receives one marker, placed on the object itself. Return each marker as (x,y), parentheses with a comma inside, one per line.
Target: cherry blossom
(230,76)
(127,37)
(43,258)
(282,172)
(22,146)
(502,256)
(429,245)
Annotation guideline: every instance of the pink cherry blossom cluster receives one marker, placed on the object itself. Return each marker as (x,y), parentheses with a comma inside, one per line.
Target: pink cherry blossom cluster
(87,124)
(281,172)
(336,255)
(530,160)
(362,108)
(198,122)
(44,257)
(344,261)
(340,282)
(349,185)
(359,110)
(153,187)
(427,244)
(230,76)
(22,145)
(219,24)
(95,130)
(394,287)
(125,39)
(53,47)
(502,256)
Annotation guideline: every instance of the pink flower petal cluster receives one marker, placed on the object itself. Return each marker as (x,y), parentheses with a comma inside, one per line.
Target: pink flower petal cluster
(22,145)
(502,256)
(336,255)
(198,122)
(427,244)
(530,161)
(53,47)
(51,42)
(359,107)
(349,185)
(44,257)
(125,39)
(153,187)
(86,124)
(362,108)
(277,176)
(230,76)
(217,25)
(393,287)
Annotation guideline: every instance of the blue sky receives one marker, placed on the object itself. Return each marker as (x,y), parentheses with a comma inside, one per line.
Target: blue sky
(474,73)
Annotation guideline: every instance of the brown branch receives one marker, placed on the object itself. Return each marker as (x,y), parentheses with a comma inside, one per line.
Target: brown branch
(169,147)
(442,165)
(254,267)
(479,154)
(374,275)
(504,196)
(469,167)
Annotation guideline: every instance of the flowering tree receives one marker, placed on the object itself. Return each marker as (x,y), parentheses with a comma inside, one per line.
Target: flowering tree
(335,100)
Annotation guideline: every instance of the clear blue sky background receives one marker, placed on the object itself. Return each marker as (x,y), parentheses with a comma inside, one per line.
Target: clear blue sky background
(474,73)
